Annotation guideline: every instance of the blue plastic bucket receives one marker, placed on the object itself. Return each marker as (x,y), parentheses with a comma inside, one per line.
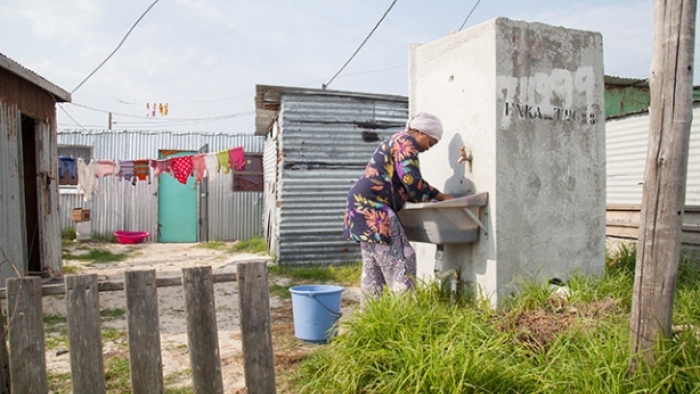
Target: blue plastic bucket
(316,309)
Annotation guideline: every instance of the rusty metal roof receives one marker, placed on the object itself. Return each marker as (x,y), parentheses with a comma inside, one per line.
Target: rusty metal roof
(12,66)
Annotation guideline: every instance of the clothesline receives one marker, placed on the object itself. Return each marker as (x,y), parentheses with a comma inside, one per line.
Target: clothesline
(181,168)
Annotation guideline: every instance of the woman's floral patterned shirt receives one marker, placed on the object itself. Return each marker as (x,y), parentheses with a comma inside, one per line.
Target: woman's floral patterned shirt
(392,178)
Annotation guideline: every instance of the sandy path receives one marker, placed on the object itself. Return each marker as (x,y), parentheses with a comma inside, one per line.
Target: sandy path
(168,260)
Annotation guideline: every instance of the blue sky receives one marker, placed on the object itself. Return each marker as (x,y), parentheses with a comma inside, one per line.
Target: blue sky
(204,57)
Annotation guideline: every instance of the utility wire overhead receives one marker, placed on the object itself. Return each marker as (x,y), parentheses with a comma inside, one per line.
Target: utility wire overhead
(68,115)
(469,15)
(325,85)
(115,49)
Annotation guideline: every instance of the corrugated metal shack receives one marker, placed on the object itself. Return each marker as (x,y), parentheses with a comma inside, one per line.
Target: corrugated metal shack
(30,233)
(627,134)
(318,143)
(223,214)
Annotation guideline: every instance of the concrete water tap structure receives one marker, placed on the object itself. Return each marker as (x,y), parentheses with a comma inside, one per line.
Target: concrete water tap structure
(525,103)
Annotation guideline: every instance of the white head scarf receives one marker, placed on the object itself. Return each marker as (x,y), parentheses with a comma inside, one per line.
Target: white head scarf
(427,124)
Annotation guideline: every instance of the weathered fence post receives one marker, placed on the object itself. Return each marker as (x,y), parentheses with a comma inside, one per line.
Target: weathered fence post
(84,335)
(4,359)
(145,360)
(256,332)
(26,336)
(202,333)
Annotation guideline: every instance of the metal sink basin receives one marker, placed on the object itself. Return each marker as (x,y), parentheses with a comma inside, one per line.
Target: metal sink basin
(454,221)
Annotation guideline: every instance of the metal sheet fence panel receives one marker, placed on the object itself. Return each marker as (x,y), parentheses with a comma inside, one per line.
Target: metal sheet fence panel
(119,205)
(325,143)
(626,149)
(311,217)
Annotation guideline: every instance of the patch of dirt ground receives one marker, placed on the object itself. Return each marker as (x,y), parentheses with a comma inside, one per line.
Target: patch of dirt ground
(168,260)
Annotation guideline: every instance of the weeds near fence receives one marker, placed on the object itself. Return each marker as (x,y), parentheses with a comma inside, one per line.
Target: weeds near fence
(68,234)
(214,245)
(344,275)
(96,255)
(251,245)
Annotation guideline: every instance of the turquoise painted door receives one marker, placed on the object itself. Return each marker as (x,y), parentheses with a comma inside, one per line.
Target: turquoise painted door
(177,206)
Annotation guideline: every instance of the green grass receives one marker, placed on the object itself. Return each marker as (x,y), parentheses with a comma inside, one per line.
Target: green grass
(60,383)
(345,275)
(280,291)
(54,319)
(71,269)
(117,375)
(56,340)
(68,234)
(252,245)
(95,256)
(103,238)
(216,245)
(112,313)
(536,342)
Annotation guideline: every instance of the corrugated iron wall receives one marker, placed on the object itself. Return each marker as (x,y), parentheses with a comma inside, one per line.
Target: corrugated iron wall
(12,230)
(626,149)
(322,154)
(120,205)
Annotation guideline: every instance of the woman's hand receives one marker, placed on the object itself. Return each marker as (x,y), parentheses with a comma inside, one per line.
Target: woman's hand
(443,197)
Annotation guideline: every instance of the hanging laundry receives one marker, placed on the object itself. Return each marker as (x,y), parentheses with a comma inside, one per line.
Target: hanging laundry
(237,158)
(160,167)
(126,170)
(165,109)
(211,163)
(87,181)
(160,109)
(181,168)
(199,166)
(66,167)
(224,160)
(142,171)
(105,167)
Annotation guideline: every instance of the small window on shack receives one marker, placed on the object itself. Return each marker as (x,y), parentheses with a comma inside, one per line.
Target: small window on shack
(250,177)
(68,165)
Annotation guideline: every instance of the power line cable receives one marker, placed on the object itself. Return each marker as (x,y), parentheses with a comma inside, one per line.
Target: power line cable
(470,14)
(357,73)
(117,48)
(68,115)
(325,85)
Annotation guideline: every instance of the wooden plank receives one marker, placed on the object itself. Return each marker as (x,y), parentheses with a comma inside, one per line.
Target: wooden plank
(60,288)
(84,335)
(145,358)
(26,336)
(625,223)
(256,331)
(4,360)
(202,333)
(49,221)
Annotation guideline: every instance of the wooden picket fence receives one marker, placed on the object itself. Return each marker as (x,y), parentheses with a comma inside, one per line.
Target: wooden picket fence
(23,367)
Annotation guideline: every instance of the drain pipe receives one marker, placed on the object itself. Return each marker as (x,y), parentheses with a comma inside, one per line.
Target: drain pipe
(441,274)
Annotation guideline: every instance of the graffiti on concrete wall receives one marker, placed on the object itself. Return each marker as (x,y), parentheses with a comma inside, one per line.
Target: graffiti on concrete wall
(561,95)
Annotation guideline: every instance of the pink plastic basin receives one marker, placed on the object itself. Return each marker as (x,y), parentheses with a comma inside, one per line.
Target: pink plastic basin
(130,237)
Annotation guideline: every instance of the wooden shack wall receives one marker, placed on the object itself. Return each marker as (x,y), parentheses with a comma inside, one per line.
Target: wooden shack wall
(20,97)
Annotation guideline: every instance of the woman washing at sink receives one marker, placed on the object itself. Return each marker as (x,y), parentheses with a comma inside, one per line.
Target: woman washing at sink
(392,177)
